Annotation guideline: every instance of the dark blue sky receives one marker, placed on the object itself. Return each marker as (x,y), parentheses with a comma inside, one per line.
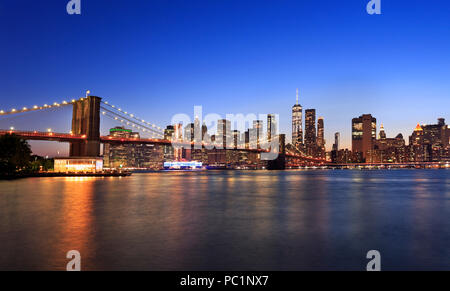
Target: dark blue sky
(159,58)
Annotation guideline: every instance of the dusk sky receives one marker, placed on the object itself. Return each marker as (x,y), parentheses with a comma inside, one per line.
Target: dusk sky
(160,58)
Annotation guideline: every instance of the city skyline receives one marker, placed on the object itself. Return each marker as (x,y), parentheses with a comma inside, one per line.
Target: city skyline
(158,64)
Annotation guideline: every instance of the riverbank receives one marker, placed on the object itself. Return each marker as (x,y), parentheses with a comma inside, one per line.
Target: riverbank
(53,174)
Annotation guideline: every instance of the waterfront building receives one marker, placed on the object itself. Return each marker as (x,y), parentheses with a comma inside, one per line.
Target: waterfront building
(78,165)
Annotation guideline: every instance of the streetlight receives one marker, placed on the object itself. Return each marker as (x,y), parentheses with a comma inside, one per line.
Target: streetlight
(87,93)
(11,128)
(49,130)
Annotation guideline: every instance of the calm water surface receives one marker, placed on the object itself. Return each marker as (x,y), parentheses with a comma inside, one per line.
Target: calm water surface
(229,220)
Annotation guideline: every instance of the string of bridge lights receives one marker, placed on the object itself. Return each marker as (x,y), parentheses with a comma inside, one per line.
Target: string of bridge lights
(36,107)
(132,116)
(134,125)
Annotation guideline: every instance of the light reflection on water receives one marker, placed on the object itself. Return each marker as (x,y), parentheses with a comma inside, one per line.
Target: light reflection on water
(228,220)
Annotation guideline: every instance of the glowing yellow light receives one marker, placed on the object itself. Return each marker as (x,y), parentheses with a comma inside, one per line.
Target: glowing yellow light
(13,110)
(35,107)
(24,108)
(49,130)
(12,128)
(1,111)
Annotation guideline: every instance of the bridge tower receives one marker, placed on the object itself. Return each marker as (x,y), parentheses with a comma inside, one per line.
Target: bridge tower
(280,162)
(86,121)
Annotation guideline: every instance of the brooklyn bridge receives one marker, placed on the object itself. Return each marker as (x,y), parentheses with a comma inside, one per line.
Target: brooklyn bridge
(85,139)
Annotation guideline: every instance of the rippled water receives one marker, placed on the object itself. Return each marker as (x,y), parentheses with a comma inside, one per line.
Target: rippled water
(229,220)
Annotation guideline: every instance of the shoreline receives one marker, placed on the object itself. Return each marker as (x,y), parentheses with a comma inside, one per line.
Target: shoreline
(129,173)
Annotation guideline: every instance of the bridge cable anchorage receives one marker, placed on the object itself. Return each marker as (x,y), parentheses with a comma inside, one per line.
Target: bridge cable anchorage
(129,121)
(132,115)
(138,127)
(36,108)
(153,135)
(133,124)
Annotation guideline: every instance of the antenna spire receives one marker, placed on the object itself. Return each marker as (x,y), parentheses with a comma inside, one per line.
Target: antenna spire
(297,97)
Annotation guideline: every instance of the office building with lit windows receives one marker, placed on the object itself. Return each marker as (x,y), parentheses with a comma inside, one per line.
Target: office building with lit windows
(364,133)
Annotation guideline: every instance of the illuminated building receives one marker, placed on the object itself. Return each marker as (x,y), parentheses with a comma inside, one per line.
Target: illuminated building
(223,136)
(258,133)
(78,165)
(182,165)
(168,149)
(389,150)
(430,143)
(271,126)
(297,129)
(310,132)
(320,138)
(189,132)
(382,132)
(236,139)
(337,137)
(124,155)
(364,132)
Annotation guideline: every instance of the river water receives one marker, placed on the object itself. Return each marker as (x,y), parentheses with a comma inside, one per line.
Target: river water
(229,220)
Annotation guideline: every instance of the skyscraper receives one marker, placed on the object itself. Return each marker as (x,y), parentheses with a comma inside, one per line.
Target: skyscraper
(271,126)
(320,138)
(257,133)
(337,137)
(223,136)
(297,129)
(310,131)
(382,134)
(320,132)
(364,132)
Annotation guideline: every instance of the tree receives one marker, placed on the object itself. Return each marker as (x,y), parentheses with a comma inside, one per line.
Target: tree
(15,154)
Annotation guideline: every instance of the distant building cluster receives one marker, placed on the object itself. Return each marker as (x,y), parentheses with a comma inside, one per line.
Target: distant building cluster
(222,151)
(312,141)
(427,143)
(227,146)
(131,155)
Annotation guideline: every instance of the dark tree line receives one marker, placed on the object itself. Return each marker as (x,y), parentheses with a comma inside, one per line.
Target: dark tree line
(16,158)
